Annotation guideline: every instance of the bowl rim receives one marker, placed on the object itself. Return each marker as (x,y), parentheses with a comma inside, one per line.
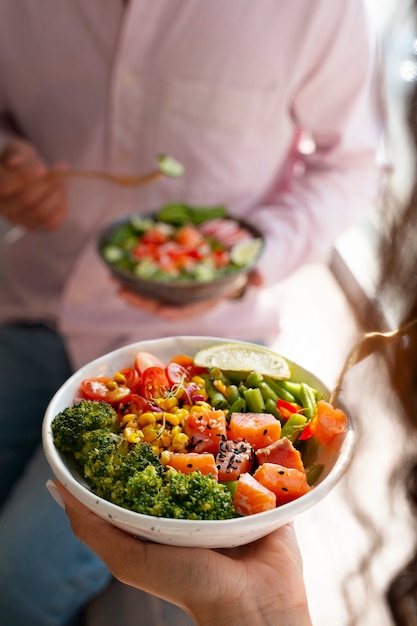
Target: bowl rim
(56,459)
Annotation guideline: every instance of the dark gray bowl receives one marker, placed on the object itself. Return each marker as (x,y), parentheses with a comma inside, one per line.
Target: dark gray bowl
(177,292)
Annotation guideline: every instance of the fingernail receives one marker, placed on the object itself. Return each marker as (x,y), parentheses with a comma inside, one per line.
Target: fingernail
(53,490)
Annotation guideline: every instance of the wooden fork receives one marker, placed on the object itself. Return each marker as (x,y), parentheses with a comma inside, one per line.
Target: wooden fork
(369,343)
(168,166)
(118,179)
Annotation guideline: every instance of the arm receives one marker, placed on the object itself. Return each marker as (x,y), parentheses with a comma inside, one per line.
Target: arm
(335,102)
(331,97)
(260,583)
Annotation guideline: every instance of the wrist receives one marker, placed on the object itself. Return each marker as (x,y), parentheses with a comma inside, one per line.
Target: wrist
(239,614)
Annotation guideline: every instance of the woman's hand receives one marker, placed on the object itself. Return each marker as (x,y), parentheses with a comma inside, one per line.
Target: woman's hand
(260,583)
(173,313)
(29,196)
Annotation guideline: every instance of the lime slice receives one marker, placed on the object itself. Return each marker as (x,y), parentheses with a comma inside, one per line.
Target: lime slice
(245,252)
(238,357)
(170,166)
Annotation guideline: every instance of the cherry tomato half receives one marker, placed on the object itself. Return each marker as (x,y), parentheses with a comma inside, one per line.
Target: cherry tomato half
(188,363)
(154,383)
(144,360)
(133,403)
(132,377)
(103,388)
(177,374)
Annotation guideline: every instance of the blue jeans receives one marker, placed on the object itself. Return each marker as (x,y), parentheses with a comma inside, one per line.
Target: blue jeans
(46,574)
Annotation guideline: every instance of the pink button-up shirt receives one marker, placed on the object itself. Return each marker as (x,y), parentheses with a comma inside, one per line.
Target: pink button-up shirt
(225,86)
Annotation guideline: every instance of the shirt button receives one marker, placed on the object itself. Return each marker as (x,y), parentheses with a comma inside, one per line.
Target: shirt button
(129,77)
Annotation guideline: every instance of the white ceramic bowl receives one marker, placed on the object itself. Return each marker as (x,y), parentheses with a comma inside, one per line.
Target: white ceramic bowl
(211,534)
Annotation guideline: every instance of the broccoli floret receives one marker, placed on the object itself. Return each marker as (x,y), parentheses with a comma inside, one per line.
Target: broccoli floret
(181,496)
(69,426)
(99,458)
(142,490)
(138,458)
(199,496)
(109,462)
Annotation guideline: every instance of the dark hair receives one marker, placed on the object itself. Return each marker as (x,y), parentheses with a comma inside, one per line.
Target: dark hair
(398,281)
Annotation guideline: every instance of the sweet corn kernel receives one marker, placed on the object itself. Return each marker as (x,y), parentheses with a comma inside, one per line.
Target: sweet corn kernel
(200,406)
(128,417)
(180,440)
(146,419)
(111,385)
(156,450)
(172,419)
(149,433)
(119,378)
(179,393)
(167,403)
(133,435)
(176,431)
(165,457)
(181,414)
(220,386)
(199,381)
(166,439)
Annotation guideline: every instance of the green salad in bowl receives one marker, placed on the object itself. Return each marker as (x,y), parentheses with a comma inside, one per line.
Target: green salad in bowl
(181,254)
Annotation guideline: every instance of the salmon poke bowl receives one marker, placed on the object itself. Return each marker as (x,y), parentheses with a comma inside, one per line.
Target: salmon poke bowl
(196,441)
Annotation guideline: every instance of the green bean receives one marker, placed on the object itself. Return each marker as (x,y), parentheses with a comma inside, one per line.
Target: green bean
(242,388)
(232,393)
(231,485)
(215,397)
(235,377)
(313,473)
(268,393)
(217,374)
(254,379)
(294,426)
(217,400)
(279,390)
(292,387)
(254,400)
(310,450)
(308,400)
(238,406)
(271,407)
